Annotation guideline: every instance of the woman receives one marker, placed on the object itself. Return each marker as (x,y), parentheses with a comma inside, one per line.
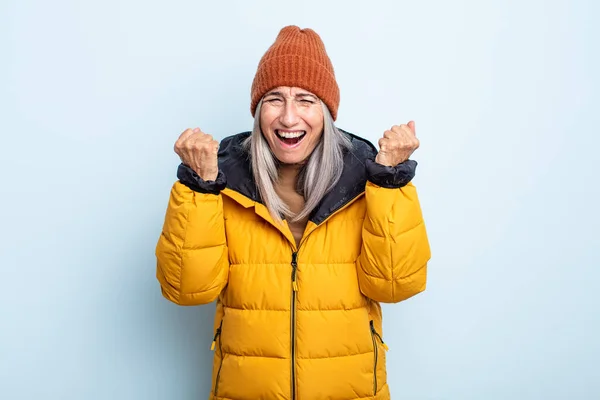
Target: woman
(299,230)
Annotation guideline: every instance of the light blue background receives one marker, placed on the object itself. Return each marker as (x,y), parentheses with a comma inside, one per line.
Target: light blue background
(505,99)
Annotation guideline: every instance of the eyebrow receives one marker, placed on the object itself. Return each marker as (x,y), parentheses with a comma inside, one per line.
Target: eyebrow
(276,93)
(306,95)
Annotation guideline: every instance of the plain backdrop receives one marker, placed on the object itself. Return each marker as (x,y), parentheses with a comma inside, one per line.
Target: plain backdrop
(93,95)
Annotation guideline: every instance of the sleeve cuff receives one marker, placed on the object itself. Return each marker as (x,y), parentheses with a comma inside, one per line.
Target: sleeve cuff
(391,177)
(191,179)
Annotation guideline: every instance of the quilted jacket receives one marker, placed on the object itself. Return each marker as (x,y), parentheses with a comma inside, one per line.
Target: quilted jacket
(295,322)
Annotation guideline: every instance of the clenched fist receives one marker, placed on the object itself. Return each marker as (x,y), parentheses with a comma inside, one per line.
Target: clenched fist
(198,151)
(397,144)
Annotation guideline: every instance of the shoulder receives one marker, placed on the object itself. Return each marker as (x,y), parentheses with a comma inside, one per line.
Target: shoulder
(233,154)
(234,161)
(361,147)
(233,144)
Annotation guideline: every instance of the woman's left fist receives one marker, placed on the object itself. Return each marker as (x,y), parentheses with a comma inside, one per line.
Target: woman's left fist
(397,144)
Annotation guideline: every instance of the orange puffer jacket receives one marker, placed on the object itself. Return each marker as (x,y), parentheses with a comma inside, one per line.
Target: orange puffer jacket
(296,322)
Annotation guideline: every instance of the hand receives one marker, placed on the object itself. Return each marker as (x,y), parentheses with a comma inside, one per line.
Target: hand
(397,145)
(198,151)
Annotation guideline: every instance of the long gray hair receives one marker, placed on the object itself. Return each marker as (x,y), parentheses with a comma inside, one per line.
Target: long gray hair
(317,177)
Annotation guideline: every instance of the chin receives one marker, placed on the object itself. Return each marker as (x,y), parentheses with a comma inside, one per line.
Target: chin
(290,160)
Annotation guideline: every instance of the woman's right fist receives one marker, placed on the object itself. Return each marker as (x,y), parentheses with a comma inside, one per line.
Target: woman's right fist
(198,151)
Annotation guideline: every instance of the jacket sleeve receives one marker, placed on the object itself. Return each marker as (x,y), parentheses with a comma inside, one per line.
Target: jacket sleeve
(392,265)
(192,256)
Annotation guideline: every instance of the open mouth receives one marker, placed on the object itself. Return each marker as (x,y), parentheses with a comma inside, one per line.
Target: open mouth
(290,138)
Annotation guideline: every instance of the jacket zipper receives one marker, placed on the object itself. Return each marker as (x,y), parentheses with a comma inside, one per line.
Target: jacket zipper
(374,337)
(293,320)
(294,264)
(212,348)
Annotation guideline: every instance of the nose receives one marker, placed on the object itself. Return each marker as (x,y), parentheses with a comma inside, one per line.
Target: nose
(289,115)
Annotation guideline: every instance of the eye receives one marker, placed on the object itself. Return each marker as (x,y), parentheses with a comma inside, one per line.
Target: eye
(305,101)
(274,100)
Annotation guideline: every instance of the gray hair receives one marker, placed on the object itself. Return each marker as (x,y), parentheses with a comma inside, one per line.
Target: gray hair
(317,177)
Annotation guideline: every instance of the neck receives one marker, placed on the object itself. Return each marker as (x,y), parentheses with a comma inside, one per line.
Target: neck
(288,175)
(286,189)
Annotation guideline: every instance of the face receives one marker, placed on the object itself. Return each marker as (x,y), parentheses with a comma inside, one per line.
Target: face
(291,120)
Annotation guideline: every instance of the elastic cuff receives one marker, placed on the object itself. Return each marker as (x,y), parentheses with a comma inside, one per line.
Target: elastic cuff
(191,179)
(391,177)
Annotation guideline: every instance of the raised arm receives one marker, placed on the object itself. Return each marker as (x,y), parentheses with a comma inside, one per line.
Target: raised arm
(392,265)
(192,255)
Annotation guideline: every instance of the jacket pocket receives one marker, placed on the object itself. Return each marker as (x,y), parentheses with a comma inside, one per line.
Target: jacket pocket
(217,339)
(376,337)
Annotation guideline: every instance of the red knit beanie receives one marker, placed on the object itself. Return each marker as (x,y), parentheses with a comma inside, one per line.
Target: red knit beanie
(297,58)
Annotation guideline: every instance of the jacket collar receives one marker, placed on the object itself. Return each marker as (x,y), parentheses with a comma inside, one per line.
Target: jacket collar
(234,161)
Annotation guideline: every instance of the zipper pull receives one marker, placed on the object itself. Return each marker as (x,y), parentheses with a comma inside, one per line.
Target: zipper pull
(294,268)
(214,343)
(385,346)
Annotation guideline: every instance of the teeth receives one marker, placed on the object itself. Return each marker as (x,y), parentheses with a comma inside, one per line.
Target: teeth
(290,135)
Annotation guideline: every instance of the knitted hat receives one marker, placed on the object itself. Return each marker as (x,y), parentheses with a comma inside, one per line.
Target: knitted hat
(297,58)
